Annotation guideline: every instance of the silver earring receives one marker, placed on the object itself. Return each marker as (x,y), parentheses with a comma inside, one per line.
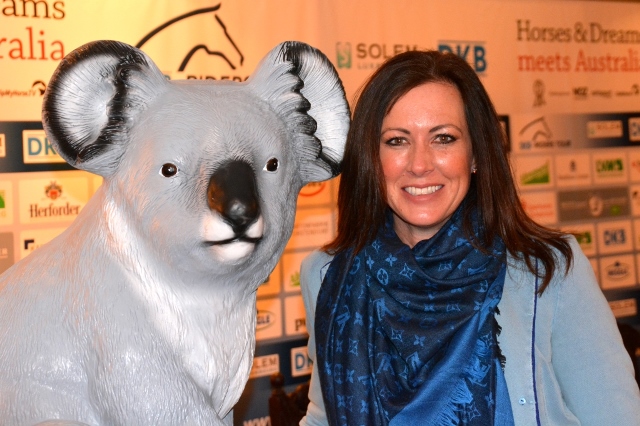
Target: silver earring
(474,170)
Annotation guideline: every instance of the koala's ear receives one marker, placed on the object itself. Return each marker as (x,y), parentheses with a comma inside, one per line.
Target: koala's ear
(303,87)
(93,99)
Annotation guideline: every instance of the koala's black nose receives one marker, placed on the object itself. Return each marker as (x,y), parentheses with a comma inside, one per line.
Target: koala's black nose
(233,194)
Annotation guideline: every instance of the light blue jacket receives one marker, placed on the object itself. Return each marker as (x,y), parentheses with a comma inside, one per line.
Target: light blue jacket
(566,364)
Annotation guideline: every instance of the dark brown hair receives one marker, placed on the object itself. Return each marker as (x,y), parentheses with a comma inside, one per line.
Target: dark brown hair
(362,194)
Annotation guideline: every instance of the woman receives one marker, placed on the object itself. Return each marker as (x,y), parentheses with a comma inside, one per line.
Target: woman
(441,301)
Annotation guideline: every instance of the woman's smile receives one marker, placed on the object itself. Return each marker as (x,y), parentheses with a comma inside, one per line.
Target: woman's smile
(414,190)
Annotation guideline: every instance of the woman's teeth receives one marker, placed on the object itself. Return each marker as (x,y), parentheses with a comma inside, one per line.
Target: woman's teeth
(422,191)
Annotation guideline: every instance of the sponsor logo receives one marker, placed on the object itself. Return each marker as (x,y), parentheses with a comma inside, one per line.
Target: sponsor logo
(612,165)
(506,128)
(624,308)
(37,89)
(301,364)
(39,86)
(264,319)
(6,250)
(617,271)
(615,237)
(343,55)
(33,239)
(634,129)
(367,55)
(296,322)
(604,129)
(634,91)
(3,203)
(474,52)
(36,148)
(587,204)
(537,176)
(259,421)
(635,203)
(585,235)
(601,93)
(52,200)
(66,210)
(6,203)
(315,194)
(53,191)
(580,93)
(540,206)
(537,134)
(215,49)
(538,92)
(295,279)
(313,188)
(584,238)
(265,366)
(596,205)
(29,244)
(573,169)
(609,167)
(300,324)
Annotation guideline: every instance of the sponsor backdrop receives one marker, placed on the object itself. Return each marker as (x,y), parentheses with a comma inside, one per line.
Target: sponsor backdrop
(565,76)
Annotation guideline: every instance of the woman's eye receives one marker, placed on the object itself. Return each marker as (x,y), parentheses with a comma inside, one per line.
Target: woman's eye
(445,138)
(272,165)
(394,141)
(169,170)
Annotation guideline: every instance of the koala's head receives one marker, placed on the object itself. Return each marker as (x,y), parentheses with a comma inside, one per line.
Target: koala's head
(205,173)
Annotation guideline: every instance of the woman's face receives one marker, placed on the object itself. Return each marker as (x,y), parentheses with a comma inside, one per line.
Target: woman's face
(427,158)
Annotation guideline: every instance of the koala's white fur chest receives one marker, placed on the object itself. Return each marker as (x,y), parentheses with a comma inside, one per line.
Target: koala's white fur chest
(139,328)
(188,315)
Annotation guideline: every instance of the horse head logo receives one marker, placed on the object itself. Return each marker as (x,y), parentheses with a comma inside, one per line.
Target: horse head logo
(209,46)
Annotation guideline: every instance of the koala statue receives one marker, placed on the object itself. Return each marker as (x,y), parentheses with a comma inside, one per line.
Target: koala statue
(143,311)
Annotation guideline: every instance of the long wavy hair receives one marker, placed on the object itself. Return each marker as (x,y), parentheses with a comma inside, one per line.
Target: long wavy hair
(362,191)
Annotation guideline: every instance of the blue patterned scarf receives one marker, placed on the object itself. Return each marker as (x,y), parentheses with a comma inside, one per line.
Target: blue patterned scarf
(408,336)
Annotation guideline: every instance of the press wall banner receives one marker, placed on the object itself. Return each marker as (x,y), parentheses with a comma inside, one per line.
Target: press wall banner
(564,76)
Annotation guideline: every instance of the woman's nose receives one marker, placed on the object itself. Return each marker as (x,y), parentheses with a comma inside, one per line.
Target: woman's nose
(420,159)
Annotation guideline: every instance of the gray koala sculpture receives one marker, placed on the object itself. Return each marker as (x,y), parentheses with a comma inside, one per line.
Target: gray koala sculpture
(143,311)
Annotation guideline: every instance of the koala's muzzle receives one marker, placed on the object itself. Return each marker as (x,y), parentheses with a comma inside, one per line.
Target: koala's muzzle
(233,194)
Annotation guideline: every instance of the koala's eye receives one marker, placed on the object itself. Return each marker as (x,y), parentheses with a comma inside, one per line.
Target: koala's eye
(169,170)
(272,165)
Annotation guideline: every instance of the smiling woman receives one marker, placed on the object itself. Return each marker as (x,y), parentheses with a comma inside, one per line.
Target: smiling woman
(426,158)
(426,308)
